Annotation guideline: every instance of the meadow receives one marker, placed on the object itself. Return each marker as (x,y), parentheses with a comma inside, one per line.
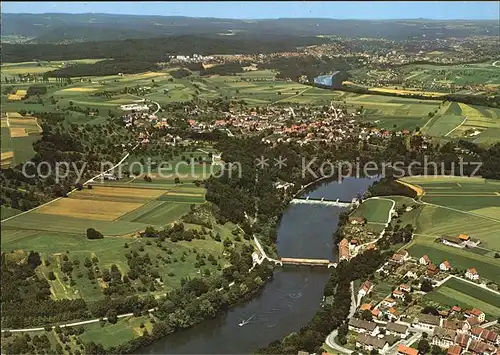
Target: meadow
(459,205)
(18,133)
(109,335)
(375,211)
(467,296)
(486,265)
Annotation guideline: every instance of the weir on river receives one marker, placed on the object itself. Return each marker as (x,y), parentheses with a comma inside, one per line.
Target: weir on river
(291,298)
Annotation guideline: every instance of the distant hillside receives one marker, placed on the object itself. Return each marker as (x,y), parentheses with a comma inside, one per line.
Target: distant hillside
(72,34)
(151,50)
(61,28)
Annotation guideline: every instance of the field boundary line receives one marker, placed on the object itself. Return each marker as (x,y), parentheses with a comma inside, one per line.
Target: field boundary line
(466,212)
(453,130)
(286,98)
(85,183)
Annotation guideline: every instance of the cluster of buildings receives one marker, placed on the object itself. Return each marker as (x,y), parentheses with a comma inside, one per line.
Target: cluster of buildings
(195,58)
(462,241)
(445,266)
(313,125)
(460,336)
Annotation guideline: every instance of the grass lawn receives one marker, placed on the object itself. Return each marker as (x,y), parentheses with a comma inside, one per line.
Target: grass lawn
(374,210)
(162,214)
(456,292)
(110,335)
(6,212)
(55,223)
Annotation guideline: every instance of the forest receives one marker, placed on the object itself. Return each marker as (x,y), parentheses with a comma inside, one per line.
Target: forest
(150,50)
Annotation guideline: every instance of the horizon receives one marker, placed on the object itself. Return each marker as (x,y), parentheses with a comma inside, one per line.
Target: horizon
(363,10)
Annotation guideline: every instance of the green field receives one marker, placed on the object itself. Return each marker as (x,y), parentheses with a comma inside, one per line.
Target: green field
(110,335)
(57,223)
(460,205)
(486,265)
(465,295)
(374,210)
(6,212)
(162,214)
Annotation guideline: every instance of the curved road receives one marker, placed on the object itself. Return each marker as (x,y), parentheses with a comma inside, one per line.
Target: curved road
(330,339)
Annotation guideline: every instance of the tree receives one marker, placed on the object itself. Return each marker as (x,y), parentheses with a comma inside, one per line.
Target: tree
(367,315)
(52,276)
(408,298)
(112,316)
(93,234)
(426,286)
(423,346)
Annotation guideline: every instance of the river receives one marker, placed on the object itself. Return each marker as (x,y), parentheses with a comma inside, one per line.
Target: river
(290,299)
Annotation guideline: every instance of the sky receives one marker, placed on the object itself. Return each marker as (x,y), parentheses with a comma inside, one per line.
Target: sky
(274,9)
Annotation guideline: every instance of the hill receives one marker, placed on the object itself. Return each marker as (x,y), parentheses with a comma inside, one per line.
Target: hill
(61,28)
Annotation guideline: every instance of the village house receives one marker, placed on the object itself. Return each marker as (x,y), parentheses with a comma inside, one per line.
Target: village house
(376,313)
(481,348)
(405,287)
(369,343)
(454,350)
(406,350)
(472,274)
(474,312)
(445,266)
(471,322)
(485,335)
(428,321)
(443,338)
(400,257)
(452,241)
(389,302)
(456,309)
(398,294)
(432,269)
(363,326)
(344,253)
(392,314)
(357,220)
(365,289)
(452,324)
(396,329)
(365,307)
(424,260)
(464,237)
(463,340)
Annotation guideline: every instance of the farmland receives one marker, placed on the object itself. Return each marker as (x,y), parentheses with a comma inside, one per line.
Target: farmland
(18,135)
(476,195)
(486,265)
(467,296)
(374,210)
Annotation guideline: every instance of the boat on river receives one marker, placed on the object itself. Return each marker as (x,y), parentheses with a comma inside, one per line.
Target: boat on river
(245,322)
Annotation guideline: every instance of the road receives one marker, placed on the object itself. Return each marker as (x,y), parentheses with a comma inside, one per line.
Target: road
(330,339)
(85,183)
(75,324)
(289,97)
(457,127)
(386,224)
(495,64)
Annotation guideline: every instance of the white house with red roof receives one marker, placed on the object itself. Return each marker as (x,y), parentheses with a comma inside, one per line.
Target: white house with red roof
(424,260)
(472,274)
(445,266)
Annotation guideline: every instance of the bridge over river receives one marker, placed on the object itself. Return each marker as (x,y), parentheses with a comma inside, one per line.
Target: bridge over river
(323,201)
(291,261)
